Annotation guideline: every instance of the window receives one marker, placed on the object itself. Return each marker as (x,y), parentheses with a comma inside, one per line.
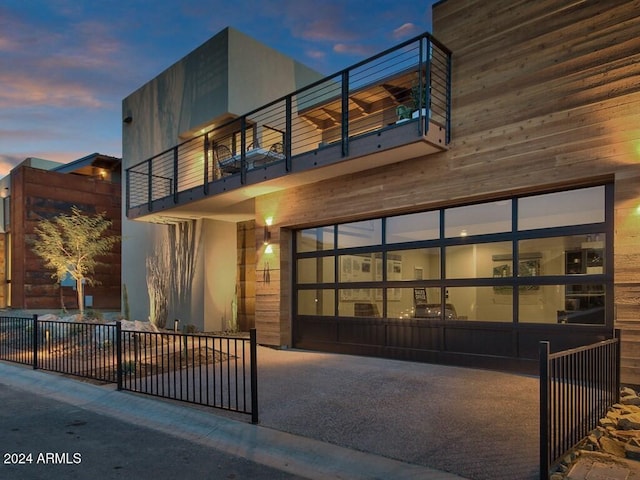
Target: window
(413,227)
(315,239)
(560,209)
(360,234)
(478,219)
(532,259)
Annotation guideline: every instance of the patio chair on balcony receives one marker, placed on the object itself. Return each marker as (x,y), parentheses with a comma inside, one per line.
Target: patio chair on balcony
(275,153)
(227,162)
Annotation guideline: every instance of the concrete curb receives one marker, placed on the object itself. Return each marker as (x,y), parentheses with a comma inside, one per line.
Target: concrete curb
(293,454)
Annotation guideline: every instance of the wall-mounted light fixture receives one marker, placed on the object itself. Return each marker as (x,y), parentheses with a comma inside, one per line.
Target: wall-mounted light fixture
(267,235)
(127,119)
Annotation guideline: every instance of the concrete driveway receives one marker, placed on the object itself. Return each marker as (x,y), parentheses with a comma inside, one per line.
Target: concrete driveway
(478,424)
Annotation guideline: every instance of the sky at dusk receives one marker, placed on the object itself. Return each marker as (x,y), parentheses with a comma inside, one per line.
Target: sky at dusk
(66,65)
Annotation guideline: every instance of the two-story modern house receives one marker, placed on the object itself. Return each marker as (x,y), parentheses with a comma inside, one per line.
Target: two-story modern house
(456,198)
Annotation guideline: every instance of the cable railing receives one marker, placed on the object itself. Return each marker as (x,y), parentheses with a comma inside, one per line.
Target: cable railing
(407,83)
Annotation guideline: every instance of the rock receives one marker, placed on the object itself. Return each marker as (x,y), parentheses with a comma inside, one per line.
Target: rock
(629,422)
(625,391)
(630,400)
(613,447)
(138,326)
(607,422)
(632,449)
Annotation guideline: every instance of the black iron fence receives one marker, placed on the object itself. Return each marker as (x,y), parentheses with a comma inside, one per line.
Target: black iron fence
(17,340)
(216,371)
(577,387)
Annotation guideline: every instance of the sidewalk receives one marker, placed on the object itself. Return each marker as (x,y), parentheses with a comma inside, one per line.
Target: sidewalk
(296,456)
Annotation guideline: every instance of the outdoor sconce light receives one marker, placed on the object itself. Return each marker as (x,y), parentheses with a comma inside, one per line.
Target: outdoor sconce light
(176,322)
(267,234)
(127,119)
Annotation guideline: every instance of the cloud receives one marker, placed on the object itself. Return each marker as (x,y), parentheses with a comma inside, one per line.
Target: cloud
(315,54)
(62,62)
(405,30)
(22,90)
(352,49)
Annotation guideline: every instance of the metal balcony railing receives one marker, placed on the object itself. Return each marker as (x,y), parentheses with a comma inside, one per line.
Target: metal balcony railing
(407,83)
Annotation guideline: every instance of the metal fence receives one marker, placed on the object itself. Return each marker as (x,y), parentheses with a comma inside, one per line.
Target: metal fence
(577,387)
(17,340)
(216,371)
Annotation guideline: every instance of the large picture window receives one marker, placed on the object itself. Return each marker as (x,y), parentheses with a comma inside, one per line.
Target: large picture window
(531,259)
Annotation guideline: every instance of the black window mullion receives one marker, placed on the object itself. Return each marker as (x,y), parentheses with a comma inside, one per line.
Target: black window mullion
(515,296)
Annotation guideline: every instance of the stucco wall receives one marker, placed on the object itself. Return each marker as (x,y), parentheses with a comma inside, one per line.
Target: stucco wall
(220,281)
(228,75)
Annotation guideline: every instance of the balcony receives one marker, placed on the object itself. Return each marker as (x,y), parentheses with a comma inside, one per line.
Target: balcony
(388,108)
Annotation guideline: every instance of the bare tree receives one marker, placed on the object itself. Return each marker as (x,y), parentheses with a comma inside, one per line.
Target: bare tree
(72,244)
(158,285)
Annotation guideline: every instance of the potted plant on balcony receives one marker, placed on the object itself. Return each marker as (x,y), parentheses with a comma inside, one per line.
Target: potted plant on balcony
(404,113)
(419,99)
(417,104)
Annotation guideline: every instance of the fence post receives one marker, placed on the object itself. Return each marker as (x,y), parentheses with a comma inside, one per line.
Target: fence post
(119,353)
(544,410)
(254,375)
(617,333)
(35,341)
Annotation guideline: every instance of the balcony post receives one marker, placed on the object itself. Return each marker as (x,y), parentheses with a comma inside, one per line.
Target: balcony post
(205,183)
(427,86)
(448,99)
(345,113)
(128,199)
(174,188)
(287,135)
(421,88)
(150,185)
(243,150)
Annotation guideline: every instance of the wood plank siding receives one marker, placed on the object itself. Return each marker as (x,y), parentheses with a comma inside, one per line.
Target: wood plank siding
(545,95)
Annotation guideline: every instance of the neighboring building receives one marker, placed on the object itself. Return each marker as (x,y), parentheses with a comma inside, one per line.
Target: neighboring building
(506,213)
(39,189)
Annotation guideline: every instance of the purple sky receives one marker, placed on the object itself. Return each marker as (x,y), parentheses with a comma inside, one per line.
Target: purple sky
(66,65)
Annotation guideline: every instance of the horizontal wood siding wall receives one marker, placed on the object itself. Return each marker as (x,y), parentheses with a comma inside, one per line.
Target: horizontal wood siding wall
(545,94)
(246,275)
